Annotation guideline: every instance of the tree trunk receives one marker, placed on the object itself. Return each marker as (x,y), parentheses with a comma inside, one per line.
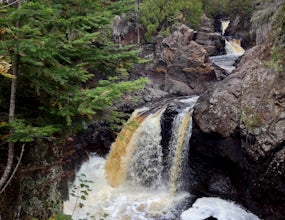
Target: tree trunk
(10,159)
(11,152)
(137,21)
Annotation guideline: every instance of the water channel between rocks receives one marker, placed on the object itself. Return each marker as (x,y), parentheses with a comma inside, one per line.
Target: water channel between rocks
(233,51)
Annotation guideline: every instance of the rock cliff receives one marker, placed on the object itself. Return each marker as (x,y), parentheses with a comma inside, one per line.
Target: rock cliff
(242,119)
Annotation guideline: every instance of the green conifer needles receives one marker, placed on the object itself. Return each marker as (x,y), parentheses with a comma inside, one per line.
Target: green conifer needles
(63,49)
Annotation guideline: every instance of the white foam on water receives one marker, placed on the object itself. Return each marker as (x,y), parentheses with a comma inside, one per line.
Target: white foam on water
(125,202)
(218,208)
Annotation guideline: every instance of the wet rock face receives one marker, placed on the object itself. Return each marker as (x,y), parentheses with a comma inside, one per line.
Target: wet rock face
(252,100)
(39,193)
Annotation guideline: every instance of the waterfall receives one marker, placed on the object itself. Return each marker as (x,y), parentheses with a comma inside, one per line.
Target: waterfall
(233,51)
(141,179)
(145,167)
(224,25)
(122,150)
(233,46)
(181,133)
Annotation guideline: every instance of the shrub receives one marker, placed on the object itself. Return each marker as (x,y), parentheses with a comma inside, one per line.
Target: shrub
(160,14)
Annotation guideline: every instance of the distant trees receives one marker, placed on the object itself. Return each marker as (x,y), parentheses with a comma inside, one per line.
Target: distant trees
(215,8)
(160,14)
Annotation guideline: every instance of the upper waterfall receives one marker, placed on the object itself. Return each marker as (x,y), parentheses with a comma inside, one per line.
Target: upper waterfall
(224,25)
(232,45)
(233,50)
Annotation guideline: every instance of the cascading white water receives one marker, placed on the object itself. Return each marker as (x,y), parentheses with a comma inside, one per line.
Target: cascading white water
(129,184)
(179,147)
(233,51)
(224,25)
(145,168)
(132,186)
(233,47)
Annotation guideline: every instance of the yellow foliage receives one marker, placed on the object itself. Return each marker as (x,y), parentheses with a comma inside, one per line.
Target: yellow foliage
(4,69)
(2,31)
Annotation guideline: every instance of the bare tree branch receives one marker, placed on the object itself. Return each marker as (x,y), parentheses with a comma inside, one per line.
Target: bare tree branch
(9,4)
(15,169)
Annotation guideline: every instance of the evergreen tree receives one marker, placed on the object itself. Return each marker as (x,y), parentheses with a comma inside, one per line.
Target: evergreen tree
(62,47)
(68,68)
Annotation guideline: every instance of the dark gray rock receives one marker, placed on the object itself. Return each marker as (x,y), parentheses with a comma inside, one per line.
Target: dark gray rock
(249,105)
(179,66)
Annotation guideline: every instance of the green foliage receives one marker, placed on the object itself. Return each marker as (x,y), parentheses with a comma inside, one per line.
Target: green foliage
(251,119)
(277,52)
(100,98)
(242,7)
(62,217)
(217,8)
(119,7)
(58,216)
(28,133)
(64,49)
(160,14)
(81,190)
(277,59)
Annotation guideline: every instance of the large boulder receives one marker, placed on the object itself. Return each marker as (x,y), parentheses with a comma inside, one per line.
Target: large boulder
(250,100)
(212,41)
(178,65)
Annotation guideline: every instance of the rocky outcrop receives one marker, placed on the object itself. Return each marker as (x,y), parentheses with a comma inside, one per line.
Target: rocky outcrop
(178,65)
(36,187)
(263,19)
(241,122)
(255,29)
(212,41)
(250,100)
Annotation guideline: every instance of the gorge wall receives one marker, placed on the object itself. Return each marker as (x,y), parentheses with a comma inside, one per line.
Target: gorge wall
(241,122)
